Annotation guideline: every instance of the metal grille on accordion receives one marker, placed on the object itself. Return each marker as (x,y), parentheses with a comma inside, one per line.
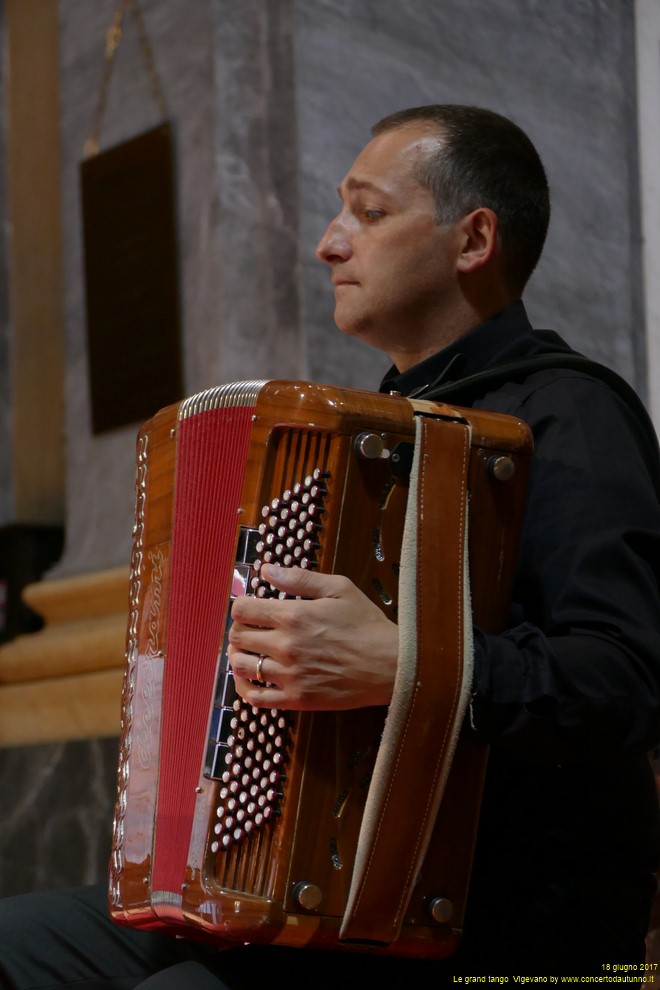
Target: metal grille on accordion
(241,824)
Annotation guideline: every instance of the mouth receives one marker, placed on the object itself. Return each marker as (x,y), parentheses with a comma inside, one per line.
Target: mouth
(337,282)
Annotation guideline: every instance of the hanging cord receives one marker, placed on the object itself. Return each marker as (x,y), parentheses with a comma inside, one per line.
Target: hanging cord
(112,39)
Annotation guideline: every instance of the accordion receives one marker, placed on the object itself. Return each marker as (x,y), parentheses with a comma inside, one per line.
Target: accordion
(346,830)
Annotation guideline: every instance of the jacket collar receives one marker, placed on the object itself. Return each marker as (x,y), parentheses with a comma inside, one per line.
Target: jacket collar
(501,338)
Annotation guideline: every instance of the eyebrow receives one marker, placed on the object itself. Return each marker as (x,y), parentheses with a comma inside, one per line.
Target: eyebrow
(352,184)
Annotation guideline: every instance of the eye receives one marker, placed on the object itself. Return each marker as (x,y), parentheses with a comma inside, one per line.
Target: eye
(372,215)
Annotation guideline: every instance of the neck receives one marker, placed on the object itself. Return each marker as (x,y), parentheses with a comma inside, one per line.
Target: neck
(463,319)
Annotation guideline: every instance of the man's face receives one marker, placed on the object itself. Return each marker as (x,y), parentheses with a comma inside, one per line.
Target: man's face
(393,266)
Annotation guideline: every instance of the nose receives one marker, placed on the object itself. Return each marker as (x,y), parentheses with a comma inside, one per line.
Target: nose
(334,245)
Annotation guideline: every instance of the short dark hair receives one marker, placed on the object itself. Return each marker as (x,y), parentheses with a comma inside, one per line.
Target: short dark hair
(485,160)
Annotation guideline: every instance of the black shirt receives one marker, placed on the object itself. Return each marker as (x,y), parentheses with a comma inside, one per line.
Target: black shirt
(569,695)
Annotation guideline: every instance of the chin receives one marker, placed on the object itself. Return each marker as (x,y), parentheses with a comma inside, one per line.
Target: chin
(353,326)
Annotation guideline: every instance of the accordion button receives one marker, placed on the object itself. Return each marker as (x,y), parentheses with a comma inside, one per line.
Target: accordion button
(501,468)
(369,445)
(307,895)
(441,909)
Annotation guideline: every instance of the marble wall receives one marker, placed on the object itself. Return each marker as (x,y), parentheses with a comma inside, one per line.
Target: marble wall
(227,76)
(100,469)
(56,825)
(563,71)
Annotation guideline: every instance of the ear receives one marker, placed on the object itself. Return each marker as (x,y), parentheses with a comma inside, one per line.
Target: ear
(478,239)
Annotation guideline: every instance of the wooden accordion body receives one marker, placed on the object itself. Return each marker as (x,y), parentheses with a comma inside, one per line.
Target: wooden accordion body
(328,829)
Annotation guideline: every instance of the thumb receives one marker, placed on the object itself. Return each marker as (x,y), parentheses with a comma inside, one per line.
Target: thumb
(296,581)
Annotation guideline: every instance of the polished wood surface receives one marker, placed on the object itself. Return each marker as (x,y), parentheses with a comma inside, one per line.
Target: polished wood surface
(248,893)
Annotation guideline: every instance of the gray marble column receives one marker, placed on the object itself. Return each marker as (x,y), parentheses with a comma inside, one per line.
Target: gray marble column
(257,156)
(227,75)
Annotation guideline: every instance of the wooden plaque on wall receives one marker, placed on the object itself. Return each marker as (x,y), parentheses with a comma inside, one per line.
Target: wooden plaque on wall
(131,280)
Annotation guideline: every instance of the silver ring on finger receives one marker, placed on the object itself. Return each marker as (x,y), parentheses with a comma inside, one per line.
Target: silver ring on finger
(259,675)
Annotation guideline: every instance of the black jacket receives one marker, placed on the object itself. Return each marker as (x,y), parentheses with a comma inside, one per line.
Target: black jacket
(569,696)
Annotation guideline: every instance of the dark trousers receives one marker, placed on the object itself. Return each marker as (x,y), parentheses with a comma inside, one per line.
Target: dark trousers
(65,939)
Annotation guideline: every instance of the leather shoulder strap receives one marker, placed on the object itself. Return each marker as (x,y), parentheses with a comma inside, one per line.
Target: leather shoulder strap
(431,691)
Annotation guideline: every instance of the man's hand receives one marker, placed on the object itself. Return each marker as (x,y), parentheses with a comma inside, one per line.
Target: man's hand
(331,649)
